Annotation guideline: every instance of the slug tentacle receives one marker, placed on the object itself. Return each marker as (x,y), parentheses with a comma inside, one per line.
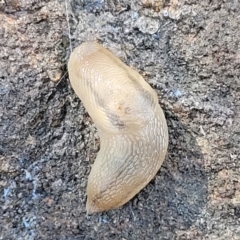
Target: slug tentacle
(132,127)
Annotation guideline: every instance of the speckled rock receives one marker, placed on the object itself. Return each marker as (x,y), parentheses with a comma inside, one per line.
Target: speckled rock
(191,57)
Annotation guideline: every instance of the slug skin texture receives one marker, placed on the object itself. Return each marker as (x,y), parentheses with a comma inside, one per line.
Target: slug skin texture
(131,125)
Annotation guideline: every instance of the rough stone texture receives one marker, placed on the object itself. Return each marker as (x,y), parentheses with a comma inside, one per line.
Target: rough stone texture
(189,52)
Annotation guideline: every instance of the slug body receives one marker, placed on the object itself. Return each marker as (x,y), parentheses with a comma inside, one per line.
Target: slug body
(131,125)
(155,4)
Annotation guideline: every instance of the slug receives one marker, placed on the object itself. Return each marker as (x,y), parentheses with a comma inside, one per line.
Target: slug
(131,125)
(155,4)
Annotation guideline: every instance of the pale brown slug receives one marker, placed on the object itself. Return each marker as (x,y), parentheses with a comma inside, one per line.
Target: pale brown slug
(155,4)
(131,125)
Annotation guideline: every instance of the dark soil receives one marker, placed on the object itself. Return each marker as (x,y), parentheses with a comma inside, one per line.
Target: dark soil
(189,53)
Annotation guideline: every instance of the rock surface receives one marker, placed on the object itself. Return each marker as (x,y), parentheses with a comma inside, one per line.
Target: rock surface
(189,52)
